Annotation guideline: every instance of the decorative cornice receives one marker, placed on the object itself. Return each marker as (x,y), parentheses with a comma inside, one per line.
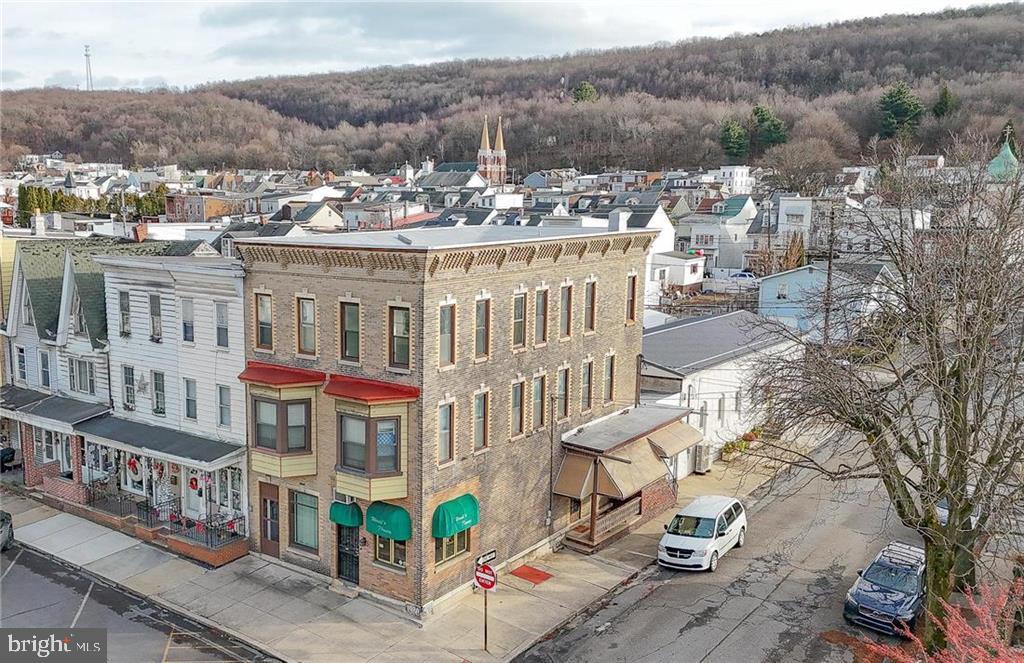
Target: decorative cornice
(463,260)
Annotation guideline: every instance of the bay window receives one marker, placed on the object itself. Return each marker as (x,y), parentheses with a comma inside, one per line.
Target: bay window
(281,426)
(379,456)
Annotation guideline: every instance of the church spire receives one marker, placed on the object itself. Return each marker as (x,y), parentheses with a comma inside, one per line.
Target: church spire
(485,140)
(499,139)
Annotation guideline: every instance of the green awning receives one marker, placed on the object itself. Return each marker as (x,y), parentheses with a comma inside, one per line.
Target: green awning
(347,515)
(455,515)
(389,521)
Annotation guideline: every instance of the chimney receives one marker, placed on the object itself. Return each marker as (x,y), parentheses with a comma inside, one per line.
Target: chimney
(427,166)
(617,219)
(39,224)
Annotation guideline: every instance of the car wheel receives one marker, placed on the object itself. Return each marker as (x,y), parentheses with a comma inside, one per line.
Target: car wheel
(742,538)
(713,562)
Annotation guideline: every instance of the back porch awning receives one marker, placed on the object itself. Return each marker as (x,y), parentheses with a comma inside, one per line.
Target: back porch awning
(675,439)
(162,443)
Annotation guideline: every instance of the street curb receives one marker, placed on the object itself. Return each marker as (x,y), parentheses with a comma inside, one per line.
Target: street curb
(267,652)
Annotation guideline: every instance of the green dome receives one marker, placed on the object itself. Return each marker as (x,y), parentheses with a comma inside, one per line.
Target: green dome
(1004,165)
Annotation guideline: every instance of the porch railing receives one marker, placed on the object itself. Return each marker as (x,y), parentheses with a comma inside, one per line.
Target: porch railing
(213,532)
(102,498)
(160,513)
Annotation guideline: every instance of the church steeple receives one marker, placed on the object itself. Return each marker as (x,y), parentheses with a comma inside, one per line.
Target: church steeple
(499,139)
(485,140)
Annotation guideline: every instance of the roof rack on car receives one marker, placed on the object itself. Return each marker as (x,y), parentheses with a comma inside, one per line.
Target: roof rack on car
(904,553)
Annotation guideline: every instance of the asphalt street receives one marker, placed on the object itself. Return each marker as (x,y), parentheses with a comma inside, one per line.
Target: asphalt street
(36,591)
(779,598)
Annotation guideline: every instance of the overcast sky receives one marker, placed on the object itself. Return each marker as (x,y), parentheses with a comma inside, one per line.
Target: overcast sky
(152,44)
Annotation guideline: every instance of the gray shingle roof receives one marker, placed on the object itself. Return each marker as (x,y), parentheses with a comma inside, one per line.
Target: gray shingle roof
(162,440)
(693,344)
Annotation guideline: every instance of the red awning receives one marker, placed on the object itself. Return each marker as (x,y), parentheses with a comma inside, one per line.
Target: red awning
(279,376)
(369,391)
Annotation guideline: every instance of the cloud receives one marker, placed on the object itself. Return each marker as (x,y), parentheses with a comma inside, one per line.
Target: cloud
(64,78)
(10,75)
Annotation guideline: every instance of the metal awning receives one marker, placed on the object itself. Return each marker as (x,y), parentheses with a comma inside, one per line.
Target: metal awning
(575,476)
(674,439)
(161,443)
(622,480)
(619,475)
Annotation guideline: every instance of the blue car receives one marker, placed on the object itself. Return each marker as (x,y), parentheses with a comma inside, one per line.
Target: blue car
(890,591)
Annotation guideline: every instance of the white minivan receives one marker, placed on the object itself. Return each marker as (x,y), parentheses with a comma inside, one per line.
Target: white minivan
(702,532)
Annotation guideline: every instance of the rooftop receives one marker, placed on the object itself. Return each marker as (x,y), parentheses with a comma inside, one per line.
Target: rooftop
(426,239)
(617,430)
(697,343)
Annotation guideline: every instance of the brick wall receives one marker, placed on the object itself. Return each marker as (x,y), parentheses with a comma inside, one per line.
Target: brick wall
(34,472)
(511,478)
(655,498)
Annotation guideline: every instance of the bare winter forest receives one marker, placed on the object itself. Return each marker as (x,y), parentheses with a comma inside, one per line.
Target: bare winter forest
(656,106)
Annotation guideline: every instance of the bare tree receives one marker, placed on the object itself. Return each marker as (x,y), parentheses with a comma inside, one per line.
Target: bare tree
(920,362)
(801,166)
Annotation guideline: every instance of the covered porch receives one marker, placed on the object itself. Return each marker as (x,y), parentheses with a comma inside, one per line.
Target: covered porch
(618,472)
(182,490)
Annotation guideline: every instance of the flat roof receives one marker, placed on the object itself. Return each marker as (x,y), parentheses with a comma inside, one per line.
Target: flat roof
(618,429)
(425,239)
(172,263)
(692,344)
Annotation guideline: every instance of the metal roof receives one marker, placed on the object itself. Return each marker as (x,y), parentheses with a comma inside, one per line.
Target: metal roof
(612,432)
(697,343)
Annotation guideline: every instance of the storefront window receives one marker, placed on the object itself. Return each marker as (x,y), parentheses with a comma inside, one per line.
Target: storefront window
(451,547)
(390,552)
(304,520)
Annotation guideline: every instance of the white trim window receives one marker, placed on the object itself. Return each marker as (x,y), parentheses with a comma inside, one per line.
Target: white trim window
(26,307)
(44,368)
(224,406)
(191,400)
(156,324)
(82,376)
(159,387)
(124,308)
(128,376)
(77,316)
(22,360)
(188,320)
(221,312)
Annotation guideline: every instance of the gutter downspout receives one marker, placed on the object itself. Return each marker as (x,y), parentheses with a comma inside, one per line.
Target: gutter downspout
(639,366)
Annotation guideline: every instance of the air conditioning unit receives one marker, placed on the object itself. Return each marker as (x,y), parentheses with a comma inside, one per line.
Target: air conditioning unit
(702,464)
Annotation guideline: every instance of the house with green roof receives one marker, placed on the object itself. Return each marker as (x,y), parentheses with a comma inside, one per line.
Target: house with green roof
(721,233)
(1005,165)
(56,353)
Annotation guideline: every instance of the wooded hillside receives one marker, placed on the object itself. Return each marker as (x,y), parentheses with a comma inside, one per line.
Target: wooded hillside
(656,106)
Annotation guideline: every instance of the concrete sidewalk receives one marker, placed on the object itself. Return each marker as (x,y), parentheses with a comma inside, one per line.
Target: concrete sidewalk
(298,617)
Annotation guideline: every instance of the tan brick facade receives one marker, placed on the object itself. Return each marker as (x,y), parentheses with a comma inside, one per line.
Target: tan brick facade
(511,477)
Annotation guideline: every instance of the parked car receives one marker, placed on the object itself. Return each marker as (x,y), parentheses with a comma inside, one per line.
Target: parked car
(942,509)
(749,276)
(702,532)
(6,531)
(890,591)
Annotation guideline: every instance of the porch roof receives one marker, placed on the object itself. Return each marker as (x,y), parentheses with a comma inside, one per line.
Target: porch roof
(280,376)
(608,434)
(188,448)
(12,397)
(47,406)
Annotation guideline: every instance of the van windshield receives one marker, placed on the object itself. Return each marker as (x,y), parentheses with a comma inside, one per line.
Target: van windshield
(699,528)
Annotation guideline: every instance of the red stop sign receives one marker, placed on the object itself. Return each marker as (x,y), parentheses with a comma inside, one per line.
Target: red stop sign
(485,576)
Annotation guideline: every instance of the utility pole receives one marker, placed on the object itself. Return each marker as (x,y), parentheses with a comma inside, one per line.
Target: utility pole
(828,273)
(88,69)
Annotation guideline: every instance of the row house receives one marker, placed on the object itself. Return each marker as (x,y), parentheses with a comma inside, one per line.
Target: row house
(73,400)
(415,398)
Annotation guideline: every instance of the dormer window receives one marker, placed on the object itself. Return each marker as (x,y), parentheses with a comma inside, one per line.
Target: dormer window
(77,316)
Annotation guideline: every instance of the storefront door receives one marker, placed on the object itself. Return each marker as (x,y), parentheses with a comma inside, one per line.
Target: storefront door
(269,520)
(348,553)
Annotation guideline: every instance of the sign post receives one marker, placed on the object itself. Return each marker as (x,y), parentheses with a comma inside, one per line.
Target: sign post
(486,579)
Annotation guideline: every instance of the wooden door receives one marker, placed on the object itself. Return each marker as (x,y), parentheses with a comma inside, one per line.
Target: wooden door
(270,520)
